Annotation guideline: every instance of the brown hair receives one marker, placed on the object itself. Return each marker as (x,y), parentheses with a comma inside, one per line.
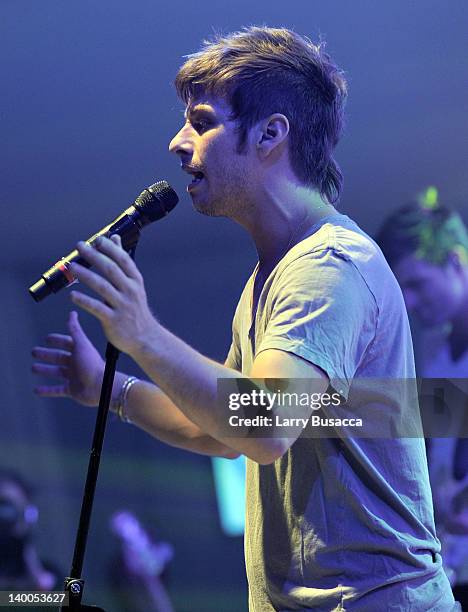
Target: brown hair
(430,234)
(260,71)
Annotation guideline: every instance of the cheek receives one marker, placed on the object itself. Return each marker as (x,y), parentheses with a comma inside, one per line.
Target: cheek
(439,303)
(453,298)
(451,286)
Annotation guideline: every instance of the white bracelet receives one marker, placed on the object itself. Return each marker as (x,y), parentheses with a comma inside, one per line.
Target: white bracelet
(121,409)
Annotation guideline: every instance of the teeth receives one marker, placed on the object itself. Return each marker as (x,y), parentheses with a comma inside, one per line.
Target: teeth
(197,177)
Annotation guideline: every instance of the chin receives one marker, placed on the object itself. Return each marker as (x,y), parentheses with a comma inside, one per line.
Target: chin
(204,210)
(209,209)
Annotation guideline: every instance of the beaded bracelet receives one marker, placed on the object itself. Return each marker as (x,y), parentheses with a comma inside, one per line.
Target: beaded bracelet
(122,399)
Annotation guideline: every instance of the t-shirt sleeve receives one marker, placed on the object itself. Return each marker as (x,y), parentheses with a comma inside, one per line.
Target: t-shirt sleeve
(233,359)
(234,356)
(323,311)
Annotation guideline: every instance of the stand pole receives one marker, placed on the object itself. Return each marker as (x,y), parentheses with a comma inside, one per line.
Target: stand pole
(74,584)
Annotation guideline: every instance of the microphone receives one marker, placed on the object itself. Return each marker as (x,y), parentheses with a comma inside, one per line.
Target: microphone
(152,204)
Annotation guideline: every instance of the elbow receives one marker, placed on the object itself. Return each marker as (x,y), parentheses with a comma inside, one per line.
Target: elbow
(229,453)
(264,452)
(270,450)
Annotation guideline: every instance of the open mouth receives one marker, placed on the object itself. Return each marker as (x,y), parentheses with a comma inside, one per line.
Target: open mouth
(197,177)
(196,180)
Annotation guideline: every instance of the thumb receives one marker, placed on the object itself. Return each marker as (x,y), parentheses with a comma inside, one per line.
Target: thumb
(74,327)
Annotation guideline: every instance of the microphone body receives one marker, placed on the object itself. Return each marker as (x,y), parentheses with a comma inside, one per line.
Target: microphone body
(152,204)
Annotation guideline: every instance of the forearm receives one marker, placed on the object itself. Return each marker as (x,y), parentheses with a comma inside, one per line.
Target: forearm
(153,411)
(185,376)
(190,380)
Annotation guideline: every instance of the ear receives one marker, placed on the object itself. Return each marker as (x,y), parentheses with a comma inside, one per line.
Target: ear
(272,132)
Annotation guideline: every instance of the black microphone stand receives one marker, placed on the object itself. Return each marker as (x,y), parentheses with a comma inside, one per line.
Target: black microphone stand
(74,584)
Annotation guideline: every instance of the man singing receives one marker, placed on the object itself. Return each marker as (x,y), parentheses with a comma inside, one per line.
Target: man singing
(335,523)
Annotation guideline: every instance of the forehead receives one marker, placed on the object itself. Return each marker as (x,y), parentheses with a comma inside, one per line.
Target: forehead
(208,104)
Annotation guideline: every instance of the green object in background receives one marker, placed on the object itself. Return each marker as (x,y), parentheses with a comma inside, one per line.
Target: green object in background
(429,199)
(229,477)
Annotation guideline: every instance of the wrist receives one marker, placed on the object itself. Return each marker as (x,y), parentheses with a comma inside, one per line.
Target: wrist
(147,341)
(120,392)
(119,381)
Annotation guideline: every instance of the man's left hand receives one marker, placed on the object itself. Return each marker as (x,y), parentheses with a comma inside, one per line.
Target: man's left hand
(123,312)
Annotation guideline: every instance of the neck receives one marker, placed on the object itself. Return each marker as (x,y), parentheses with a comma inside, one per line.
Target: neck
(282,218)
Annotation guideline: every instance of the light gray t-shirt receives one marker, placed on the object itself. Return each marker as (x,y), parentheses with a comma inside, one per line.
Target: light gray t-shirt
(338,524)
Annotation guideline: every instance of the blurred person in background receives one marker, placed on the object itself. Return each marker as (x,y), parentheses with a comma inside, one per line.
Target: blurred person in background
(21,566)
(138,573)
(426,244)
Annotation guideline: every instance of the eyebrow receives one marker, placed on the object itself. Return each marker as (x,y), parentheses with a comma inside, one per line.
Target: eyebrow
(198,108)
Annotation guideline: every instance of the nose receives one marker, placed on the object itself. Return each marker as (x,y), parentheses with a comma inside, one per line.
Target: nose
(181,144)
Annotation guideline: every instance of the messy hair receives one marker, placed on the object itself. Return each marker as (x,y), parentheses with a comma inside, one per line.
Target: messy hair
(259,71)
(429,233)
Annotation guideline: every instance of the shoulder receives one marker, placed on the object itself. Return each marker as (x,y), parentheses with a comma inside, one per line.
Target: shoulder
(341,237)
(336,254)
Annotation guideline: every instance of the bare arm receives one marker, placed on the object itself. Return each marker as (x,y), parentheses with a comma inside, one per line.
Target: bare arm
(190,379)
(186,377)
(152,410)
(73,359)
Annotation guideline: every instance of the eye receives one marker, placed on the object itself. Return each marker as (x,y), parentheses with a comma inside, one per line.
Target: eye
(200,125)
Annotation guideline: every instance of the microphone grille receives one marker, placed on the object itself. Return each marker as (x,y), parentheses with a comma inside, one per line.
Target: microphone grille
(157,200)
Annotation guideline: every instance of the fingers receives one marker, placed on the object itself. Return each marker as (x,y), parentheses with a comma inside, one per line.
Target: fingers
(110,260)
(60,341)
(55,362)
(97,283)
(113,249)
(52,391)
(116,239)
(51,371)
(53,356)
(95,307)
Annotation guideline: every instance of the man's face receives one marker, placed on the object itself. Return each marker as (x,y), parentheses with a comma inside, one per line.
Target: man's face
(433,292)
(207,144)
